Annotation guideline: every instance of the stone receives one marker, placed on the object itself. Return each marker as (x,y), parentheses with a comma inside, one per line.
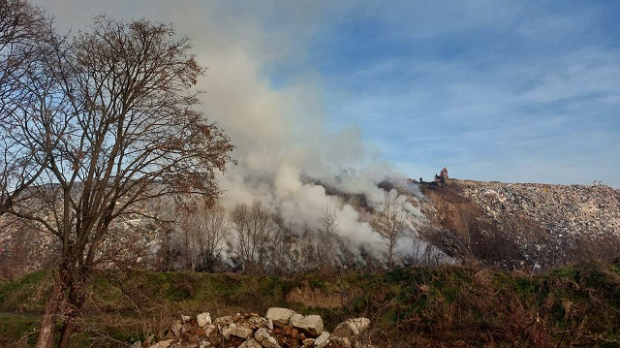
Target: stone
(241,330)
(322,340)
(311,324)
(210,329)
(223,321)
(251,343)
(261,334)
(203,319)
(342,341)
(279,316)
(226,332)
(352,328)
(177,329)
(162,344)
(257,322)
(185,319)
(265,339)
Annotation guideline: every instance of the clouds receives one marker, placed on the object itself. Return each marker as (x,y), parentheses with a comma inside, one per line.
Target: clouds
(480,86)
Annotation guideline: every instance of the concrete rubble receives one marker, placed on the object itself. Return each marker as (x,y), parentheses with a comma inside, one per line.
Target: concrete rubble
(279,328)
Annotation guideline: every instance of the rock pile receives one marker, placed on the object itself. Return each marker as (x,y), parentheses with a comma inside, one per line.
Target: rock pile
(279,328)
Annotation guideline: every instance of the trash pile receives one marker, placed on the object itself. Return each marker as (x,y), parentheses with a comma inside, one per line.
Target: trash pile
(559,209)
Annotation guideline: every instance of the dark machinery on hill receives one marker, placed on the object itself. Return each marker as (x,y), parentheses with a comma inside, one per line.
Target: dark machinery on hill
(442,177)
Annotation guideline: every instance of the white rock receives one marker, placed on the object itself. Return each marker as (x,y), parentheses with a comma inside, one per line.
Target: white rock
(251,343)
(203,319)
(311,324)
(279,316)
(223,321)
(226,332)
(258,322)
(162,344)
(185,319)
(261,334)
(322,340)
(308,342)
(265,339)
(210,329)
(177,328)
(271,343)
(343,341)
(241,331)
(352,328)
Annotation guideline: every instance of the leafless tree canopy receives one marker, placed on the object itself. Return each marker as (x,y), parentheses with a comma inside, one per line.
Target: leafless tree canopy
(95,125)
(197,237)
(391,225)
(22,28)
(117,127)
(256,233)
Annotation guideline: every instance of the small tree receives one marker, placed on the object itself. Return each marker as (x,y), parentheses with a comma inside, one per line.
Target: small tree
(435,212)
(465,220)
(327,234)
(200,230)
(391,224)
(113,124)
(255,231)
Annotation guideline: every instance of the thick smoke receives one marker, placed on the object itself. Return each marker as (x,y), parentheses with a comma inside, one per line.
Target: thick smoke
(282,134)
(280,130)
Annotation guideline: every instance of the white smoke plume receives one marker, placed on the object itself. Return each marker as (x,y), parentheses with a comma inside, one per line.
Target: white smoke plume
(282,133)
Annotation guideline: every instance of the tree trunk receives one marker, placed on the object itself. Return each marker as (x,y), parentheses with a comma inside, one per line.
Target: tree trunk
(46,331)
(75,301)
(66,332)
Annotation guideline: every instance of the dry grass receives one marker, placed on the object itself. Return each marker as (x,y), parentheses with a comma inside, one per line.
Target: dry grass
(449,306)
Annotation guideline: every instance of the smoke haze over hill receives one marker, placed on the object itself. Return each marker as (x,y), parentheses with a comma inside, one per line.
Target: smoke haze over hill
(275,99)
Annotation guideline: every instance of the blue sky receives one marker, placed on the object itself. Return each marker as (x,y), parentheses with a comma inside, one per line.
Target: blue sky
(515,91)
(509,91)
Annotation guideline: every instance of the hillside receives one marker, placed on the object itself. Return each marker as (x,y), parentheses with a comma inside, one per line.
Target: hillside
(477,264)
(444,307)
(529,226)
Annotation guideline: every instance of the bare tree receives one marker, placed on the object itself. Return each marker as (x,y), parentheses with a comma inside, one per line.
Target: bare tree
(113,125)
(282,248)
(391,224)
(435,212)
(466,221)
(327,237)
(210,241)
(255,231)
(201,229)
